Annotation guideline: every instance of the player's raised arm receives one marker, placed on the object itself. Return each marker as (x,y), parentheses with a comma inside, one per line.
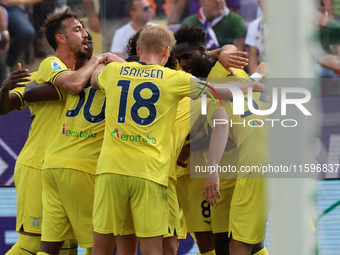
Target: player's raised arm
(240,86)
(110,58)
(230,57)
(96,72)
(11,101)
(40,92)
(74,82)
(114,58)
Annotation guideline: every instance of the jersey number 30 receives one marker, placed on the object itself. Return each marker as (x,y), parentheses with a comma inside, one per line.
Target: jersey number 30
(87,114)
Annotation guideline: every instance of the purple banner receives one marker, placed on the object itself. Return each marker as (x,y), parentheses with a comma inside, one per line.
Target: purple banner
(13,134)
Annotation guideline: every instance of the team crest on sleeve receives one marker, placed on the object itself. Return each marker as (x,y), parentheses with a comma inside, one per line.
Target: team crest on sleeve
(55,66)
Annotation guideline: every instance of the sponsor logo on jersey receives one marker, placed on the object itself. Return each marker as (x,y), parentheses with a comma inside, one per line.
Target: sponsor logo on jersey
(80,134)
(133,138)
(36,220)
(116,133)
(55,66)
(63,130)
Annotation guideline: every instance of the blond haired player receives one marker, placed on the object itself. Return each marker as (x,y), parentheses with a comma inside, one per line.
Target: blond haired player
(229,57)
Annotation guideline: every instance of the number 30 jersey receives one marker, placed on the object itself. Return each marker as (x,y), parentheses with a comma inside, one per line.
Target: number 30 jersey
(77,140)
(140,111)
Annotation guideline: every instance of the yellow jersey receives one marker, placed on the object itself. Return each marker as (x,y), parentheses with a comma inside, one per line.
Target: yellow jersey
(45,115)
(248,131)
(77,140)
(19,91)
(181,130)
(141,106)
(217,74)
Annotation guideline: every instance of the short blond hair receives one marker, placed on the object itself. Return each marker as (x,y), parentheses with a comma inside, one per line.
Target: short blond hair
(153,39)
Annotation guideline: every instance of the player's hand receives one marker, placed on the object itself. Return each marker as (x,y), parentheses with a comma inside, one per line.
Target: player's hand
(114,58)
(100,58)
(235,59)
(184,155)
(211,188)
(16,77)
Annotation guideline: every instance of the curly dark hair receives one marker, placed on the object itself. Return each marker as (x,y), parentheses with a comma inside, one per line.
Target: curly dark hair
(132,43)
(132,51)
(195,36)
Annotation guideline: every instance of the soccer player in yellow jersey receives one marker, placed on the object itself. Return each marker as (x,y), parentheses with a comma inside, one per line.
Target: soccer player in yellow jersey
(80,133)
(27,173)
(134,163)
(192,56)
(27,179)
(66,35)
(230,57)
(248,211)
(70,166)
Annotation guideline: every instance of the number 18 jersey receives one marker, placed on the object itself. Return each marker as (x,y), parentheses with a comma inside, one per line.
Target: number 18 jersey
(140,111)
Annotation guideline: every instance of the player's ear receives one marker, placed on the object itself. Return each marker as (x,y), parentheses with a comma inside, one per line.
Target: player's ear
(166,51)
(60,38)
(202,50)
(138,50)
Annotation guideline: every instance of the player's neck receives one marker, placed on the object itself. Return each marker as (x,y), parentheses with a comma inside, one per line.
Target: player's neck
(207,65)
(68,58)
(80,63)
(151,59)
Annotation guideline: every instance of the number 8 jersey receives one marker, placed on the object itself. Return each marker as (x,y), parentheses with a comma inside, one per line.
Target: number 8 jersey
(140,111)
